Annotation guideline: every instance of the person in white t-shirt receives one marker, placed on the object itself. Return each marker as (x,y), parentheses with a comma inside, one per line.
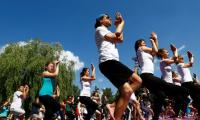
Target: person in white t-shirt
(156,85)
(187,81)
(18,98)
(165,63)
(166,70)
(119,75)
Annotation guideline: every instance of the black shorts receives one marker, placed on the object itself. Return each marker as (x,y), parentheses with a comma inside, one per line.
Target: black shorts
(116,72)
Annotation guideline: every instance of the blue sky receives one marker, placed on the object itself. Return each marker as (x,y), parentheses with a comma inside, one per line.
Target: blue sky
(71,22)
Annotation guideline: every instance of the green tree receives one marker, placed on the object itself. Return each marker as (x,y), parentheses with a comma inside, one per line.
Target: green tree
(108,93)
(24,64)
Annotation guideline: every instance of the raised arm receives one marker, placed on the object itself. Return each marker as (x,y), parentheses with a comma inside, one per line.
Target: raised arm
(191,60)
(93,72)
(25,92)
(92,77)
(154,43)
(117,36)
(119,23)
(155,38)
(54,73)
(169,61)
(174,50)
(175,55)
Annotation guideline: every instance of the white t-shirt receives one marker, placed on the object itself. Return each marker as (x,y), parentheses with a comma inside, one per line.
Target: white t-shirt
(145,61)
(17,100)
(166,71)
(107,49)
(86,87)
(184,73)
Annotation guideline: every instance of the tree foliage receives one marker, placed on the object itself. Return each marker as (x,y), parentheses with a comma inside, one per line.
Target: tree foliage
(108,93)
(20,64)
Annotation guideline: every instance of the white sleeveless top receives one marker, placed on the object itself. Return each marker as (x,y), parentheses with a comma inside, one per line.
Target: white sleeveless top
(166,71)
(145,61)
(184,73)
(86,86)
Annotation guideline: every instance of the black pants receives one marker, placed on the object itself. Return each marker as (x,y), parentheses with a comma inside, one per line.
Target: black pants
(194,93)
(161,89)
(51,106)
(90,105)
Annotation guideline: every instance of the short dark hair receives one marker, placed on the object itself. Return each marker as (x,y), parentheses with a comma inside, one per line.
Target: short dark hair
(98,19)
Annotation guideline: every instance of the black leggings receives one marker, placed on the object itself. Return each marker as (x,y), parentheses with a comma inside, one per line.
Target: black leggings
(51,106)
(90,105)
(161,89)
(194,93)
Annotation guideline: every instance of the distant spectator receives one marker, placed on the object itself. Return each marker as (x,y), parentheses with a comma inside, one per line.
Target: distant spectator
(4,110)
(16,105)
(38,110)
(69,108)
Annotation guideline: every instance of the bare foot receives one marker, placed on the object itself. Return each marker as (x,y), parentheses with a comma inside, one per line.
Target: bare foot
(111,109)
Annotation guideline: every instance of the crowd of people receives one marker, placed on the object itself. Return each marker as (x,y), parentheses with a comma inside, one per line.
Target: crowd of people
(139,108)
(127,81)
(141,95)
